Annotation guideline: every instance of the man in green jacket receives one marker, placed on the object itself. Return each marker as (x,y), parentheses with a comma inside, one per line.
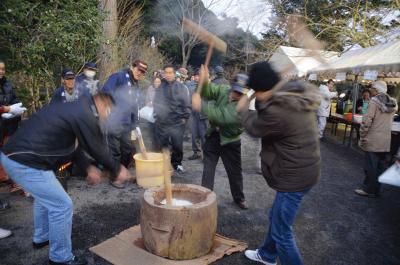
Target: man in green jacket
(223,136)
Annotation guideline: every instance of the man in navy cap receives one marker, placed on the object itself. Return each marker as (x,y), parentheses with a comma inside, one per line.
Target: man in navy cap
(219,76)
(67,92)
(223,136)
(85,82)
(124,88)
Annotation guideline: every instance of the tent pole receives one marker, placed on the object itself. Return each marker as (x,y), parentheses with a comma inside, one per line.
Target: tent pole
(356,87)
(355,94)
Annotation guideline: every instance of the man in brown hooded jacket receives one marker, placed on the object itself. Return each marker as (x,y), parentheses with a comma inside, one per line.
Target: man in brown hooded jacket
(290,157)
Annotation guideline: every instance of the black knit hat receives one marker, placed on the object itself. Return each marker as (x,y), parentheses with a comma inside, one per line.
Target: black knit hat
(262,77)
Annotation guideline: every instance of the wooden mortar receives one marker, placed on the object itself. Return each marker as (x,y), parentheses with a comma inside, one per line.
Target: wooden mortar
(179,232)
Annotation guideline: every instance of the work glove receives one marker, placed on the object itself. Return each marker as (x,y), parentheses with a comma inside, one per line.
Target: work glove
(7,116)
(17,109)
(252,103)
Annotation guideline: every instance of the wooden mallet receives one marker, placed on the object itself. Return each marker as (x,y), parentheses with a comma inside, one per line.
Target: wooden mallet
(142,147)
(167,176)
(303,37)
(205,36)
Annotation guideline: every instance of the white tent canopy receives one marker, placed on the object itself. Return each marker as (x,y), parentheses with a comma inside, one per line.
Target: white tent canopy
(299,60)
(382,57)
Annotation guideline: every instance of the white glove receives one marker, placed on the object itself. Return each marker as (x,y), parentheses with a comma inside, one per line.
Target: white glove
(17,109)
(252,105)
(7,115)
(250,93)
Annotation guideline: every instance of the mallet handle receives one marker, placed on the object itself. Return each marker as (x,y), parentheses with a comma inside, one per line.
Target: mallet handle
(142,147)
(167,177)
(206,63)
(209,53)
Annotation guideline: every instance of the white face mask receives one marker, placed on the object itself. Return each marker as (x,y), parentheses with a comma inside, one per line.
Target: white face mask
(90,73)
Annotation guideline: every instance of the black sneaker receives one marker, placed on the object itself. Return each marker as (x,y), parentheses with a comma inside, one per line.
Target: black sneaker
(179,169)
(242,205)
(363,193)
(74,261)
(194,156)
(40,245)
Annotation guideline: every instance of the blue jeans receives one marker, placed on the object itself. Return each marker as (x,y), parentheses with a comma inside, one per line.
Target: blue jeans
(280,240)
(52,208)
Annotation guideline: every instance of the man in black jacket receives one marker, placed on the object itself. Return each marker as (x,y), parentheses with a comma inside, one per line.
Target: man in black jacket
(290,156)
(45,142)
(172,110)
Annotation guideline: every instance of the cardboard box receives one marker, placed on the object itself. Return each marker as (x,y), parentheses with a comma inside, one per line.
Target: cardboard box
(127,248)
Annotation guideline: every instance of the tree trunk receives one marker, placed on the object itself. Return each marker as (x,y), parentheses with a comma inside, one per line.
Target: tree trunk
(184,56)
(31,92)
(107,62)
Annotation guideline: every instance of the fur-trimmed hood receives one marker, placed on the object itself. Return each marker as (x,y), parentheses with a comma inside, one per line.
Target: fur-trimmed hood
(385,102)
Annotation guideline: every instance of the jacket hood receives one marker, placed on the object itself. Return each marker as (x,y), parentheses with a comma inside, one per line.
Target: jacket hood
(297,95)
(385,103)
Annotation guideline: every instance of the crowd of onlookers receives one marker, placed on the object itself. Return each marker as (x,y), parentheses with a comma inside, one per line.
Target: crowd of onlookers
(175,117)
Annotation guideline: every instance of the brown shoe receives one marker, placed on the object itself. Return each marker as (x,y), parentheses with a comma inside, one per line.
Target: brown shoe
(242,205)
(118,185)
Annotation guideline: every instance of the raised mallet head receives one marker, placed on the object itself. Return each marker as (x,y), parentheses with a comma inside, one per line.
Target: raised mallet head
(205,36)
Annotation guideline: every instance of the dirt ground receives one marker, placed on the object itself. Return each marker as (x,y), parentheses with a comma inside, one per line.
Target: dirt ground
(334,226)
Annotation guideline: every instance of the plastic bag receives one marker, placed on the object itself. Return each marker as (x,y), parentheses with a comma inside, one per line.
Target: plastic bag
(147,113)
(392,175)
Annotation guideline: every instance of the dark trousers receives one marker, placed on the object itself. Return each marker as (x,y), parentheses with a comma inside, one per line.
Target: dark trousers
(8,128)
(121,147)
(172,134)
(231,158)
(199,130)
(280,241)
(375,165)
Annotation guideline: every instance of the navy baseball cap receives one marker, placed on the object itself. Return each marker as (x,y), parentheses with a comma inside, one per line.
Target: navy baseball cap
(68,73)
(239,83)
(219,69)
(90,65)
